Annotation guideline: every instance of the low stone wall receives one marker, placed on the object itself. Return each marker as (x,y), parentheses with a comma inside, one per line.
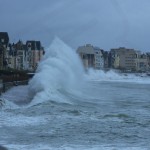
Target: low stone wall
(7,85)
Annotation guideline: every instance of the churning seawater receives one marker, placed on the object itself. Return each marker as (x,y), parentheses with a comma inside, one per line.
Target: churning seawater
(63,108)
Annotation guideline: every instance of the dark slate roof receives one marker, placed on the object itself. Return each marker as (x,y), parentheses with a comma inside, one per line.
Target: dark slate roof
(35,45)
(19,45)
(4,35)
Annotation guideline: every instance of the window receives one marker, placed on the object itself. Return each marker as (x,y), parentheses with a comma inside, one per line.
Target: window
(20,53)
(2,40)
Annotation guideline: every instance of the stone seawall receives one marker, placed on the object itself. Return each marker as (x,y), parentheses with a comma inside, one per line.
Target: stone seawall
(4,86)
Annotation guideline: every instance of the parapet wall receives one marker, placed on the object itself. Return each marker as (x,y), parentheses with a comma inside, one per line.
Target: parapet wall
(4,86)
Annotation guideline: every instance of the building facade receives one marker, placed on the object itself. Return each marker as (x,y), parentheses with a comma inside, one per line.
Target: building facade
(123,58)
(4,41)
(35,52)
(148,60)
(19,56)
(141,62)
(91,56)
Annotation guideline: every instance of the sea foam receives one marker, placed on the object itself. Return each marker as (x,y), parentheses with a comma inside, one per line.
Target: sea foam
(60,69)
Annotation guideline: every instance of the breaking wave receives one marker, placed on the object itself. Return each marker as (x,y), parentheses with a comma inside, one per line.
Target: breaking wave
(60,70)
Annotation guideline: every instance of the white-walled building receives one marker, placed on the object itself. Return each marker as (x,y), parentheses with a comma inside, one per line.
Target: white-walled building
(91,56)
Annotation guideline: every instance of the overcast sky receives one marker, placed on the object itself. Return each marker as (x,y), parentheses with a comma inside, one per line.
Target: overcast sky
(103,23)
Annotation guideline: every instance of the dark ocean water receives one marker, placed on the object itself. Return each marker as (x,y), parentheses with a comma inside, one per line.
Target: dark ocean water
(105,115)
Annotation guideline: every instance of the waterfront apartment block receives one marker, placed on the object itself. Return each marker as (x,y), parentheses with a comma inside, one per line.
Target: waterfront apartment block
(148,60)
(26,56)
(141,61)
(91,56)
(129,59)
(123,58)
(36,52)
(18,55)
(4,41)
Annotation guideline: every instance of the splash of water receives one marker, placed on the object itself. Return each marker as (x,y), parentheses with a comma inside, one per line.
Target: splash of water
(100,75)
(60,69)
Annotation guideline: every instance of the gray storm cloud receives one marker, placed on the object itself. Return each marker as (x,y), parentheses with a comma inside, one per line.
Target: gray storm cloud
(104,23)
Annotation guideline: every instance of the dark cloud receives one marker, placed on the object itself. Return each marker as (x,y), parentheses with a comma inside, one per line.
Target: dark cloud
(105,23)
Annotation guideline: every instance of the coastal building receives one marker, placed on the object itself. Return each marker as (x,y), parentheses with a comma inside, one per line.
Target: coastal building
(123,58)
(14,56)
(35,53)
(21,60)
(24,56)
(4,41)
(10,56)
(148,60)
(106,57)
(99,60)
(141,62)
(91,56)
(18,55)
(115,59)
